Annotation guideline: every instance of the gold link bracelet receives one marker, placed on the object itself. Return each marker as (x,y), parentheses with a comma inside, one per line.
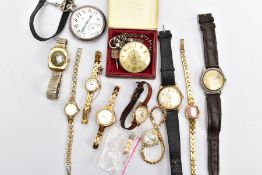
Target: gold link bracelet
(192,110)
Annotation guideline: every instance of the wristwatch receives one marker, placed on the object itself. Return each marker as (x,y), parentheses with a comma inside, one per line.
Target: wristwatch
(170,99)
(71,110)
(92,85)
(57,62)
(213,81)
(141,112)
(192,110)
(106,117)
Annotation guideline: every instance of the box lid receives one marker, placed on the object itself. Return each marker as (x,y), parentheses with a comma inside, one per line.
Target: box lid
(133,14)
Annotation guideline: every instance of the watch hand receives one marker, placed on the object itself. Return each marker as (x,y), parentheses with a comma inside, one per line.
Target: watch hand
(87,22)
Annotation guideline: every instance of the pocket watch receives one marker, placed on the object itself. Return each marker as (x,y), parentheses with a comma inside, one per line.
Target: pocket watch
(87,23)
(134,57)
(57,63)
(92,85)
(106,117)
(131,51)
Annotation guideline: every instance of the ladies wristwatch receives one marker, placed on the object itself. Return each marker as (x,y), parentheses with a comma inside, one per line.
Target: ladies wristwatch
(92,85)
(170,99)
(141,112)
(71,110)
(106,117)
(57,62)
(192,110)
(213,81)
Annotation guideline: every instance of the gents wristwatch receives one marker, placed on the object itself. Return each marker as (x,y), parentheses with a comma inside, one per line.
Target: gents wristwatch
(92,85)
(141,112)
(170,99)
(213,81)
(57,62)
(106,117)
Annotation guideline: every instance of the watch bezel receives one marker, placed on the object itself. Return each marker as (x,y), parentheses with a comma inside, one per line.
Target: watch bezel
(134,114)
(179,92)
(93,38)
(207,90)
(51,65)
(98,82)
(121,62)
(112,120)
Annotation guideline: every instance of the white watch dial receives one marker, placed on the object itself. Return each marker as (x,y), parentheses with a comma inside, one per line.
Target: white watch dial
(92,84)
(170,97)
(71,109)
(87,23)
(105,117)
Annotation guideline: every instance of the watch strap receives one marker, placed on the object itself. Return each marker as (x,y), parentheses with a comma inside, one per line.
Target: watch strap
(66,8)
(207,27)
(138,91)
(172,125)
(99,136)
(149,94)
(53,88)
(214,127)
(167,66)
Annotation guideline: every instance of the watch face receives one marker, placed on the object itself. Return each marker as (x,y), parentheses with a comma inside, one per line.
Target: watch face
(192,112)
(170,97)
(105,117)
(87,23)
(92,84)
(134,57)
(58,58)
(150,138)
(71,109)
(140,114)
(213,80)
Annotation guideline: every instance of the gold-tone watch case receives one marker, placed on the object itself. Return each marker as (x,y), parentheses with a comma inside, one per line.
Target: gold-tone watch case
(51,65)
(109,108)
(207,90)
(98,82)
(71,103)
(134,118)
(179,92)
(134,69)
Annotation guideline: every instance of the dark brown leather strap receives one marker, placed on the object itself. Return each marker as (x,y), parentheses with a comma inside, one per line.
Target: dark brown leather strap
(137,93)
(214,127)
(149,94)
(208,26)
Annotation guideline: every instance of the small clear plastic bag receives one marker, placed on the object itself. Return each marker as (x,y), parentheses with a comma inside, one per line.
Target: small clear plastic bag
(118,151)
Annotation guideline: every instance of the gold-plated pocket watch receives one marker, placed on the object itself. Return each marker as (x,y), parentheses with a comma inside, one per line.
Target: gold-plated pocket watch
(132,53)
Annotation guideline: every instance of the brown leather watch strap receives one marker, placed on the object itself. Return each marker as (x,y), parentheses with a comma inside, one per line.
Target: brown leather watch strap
(149,94)
(214,127)
(208,26)
(138,91)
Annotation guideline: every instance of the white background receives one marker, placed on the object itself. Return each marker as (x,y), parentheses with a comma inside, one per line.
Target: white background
(33,130)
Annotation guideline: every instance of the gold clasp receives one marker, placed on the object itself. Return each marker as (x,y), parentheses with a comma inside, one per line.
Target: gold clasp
(182,45)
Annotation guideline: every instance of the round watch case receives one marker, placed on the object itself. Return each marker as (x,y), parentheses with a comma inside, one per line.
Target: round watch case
(134,57)
(71,109)
(58,59)
(105,117)
(213,80)
(92,85)
(170,97)
(78,14)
